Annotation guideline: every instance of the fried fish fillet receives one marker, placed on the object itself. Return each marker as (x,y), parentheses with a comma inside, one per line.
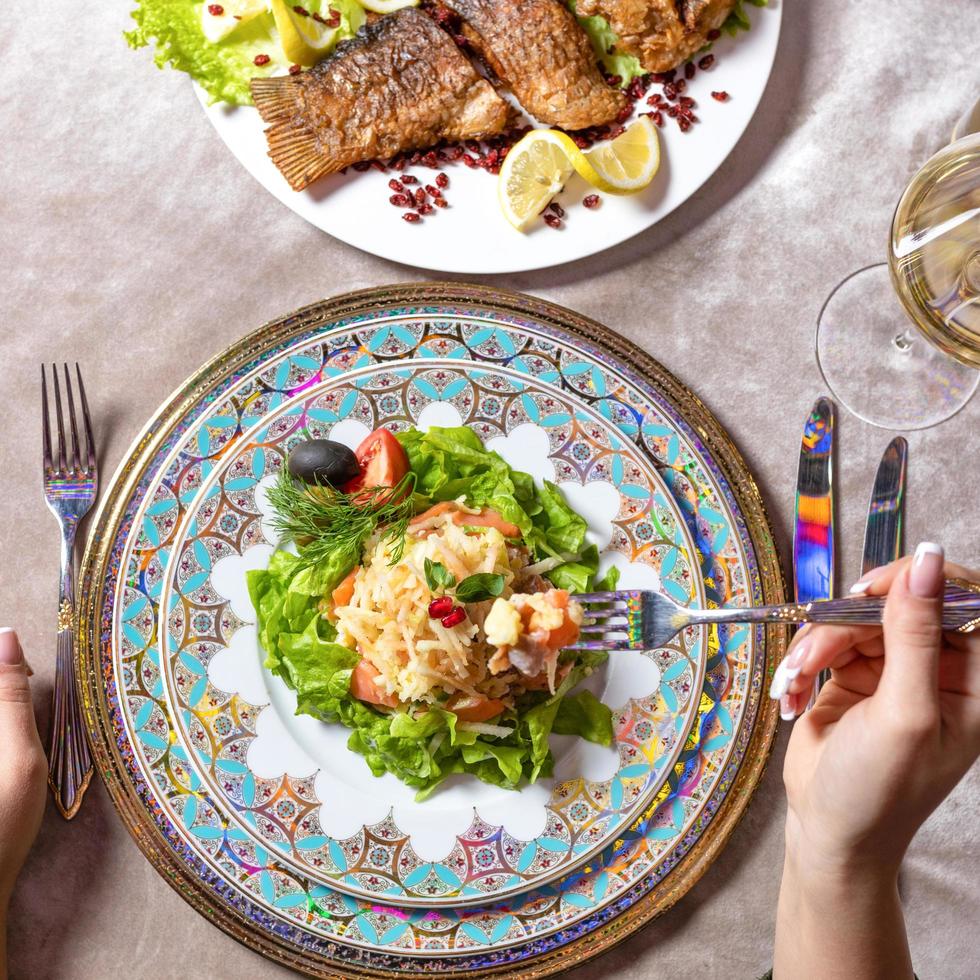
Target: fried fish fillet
(538,50)
(660,33)
(400,84)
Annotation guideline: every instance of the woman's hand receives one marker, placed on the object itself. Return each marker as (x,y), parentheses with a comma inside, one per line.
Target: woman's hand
(23,770)
(890,735)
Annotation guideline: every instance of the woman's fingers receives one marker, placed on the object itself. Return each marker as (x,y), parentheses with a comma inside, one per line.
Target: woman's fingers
(913,636)
(18,730)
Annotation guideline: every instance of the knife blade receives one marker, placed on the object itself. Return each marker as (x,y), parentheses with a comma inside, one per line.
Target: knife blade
(813,535)
(886,510)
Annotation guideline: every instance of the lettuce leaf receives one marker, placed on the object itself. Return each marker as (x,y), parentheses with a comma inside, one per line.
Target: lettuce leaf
(603,37)
(223,69)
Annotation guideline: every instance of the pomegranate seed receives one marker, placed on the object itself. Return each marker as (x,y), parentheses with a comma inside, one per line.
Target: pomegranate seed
(440,202)
(396,185)
(432,191)
(714,35)
(689,70)
(295,69)
(624,113)
(655,99)
(468,160)
(261,59)
(301,10)
(215,9)
(420,196)
(706,62)
(454,153)
(581,142)
(411,217)
(431,161)
(659,77)
(615,132)
(557,209)
(686,100)
(672,111)
(441,606)
(670,90)
(379,166)
(474,147)
(720,96)
(454,618)
(425,209)
(552,221)
(409,179)
(591,201)
(362,165)
(680,84)
(684,124)
(442,180)
(400,200)
(658,117)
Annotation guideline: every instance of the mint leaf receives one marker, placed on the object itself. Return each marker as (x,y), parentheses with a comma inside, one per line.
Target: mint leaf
(437,576)
(479,587)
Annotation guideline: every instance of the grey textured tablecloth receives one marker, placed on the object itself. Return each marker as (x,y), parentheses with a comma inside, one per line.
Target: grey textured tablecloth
(134,242)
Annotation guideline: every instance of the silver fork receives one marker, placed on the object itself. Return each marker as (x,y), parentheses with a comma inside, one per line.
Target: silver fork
(638,620)
(70,485)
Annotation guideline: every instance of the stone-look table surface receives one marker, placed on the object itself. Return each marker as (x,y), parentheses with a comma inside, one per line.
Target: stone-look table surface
(134,242)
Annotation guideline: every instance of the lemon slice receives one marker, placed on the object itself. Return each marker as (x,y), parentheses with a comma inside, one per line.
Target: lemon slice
(386,6)
(623,165)
(534,171)
(305,39)
(218,20)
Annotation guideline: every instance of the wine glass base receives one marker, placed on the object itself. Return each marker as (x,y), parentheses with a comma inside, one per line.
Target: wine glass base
(876,363)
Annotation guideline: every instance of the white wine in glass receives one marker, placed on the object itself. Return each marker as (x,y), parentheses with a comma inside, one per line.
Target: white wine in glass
(915,370)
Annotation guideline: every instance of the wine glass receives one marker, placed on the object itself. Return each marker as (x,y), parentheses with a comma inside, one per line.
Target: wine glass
(913,370)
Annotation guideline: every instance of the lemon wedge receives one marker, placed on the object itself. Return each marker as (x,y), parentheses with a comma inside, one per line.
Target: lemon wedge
(623,165)
(306,38)
(386,6)
(218,20)
(534,171)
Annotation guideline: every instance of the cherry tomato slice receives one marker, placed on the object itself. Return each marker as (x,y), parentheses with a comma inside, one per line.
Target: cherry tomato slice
(383,462)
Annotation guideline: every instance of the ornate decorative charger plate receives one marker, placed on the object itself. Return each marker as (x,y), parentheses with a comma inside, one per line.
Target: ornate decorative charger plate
(262,820)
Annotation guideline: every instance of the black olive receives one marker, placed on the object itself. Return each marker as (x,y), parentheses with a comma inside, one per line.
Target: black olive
(323,461)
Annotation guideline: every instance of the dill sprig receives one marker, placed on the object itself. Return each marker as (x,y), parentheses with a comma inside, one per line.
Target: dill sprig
(324,523)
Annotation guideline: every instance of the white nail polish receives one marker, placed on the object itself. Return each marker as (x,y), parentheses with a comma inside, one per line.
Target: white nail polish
(926,548)
(859,588)
(787,715)
(782,679)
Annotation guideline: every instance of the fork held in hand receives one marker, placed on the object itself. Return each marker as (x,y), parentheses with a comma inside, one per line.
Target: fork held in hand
(70,485)
(638,620)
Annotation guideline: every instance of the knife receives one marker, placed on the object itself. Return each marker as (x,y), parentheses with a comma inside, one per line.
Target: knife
(813,534)
(886,511)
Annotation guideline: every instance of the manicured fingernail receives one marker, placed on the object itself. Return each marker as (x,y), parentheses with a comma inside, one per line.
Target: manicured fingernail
(10,652)
(781,680)
(786,711)
(795,658)
(864,582)
(926,574)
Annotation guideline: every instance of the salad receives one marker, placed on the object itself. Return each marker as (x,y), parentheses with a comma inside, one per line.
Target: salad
(427,605)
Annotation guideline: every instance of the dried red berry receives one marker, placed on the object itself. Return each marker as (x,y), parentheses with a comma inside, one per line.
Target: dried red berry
(362,165)
(686,100)
(261,59)
(295,69)
(706,62)
(215,9)
(591,201)
(396,185)
(672,111)
(411,217)
(624,113)
(658,117)
(552,221)
(720,96)
(670,90)
(689,70)
(442,180)
(433,191)
(441,606)
(680,85)
(400,200)
(440,202)
(419,196)
(425,209)
(685,124)
(454,618)
(302,11)
(469,161)
(556,208)
(409,179)
(714,35)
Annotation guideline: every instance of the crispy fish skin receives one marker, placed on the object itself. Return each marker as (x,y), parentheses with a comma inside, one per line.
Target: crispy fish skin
(399,84)
(660,33)
(537,48)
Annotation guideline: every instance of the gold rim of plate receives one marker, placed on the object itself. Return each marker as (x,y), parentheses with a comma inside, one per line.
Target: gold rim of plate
(106,522)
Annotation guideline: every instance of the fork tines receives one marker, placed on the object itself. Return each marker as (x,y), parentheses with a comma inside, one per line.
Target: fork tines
(76,463)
